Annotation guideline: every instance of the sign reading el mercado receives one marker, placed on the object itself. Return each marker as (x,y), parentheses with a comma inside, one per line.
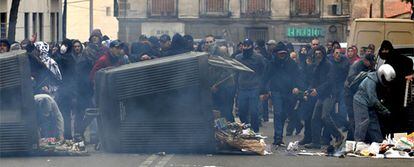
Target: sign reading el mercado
(304,32)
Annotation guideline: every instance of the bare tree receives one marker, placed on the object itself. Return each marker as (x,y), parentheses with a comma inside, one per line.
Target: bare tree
(13,20)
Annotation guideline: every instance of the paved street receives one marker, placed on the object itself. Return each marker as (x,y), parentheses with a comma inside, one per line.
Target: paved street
(279,158)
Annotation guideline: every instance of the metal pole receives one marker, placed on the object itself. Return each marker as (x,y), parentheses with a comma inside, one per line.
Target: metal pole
(90,15)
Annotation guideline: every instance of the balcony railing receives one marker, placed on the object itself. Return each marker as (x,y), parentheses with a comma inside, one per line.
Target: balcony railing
(162,8)
(305,8)
(255,8)
(214,8)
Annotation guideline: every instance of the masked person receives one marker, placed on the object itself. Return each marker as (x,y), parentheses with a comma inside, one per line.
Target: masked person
(321,89)
(66,91)
(248,85)
(282,74)
(367,104)
(394,96)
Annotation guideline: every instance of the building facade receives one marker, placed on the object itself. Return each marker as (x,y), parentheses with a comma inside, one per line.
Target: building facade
(295,21)
(103,18)
(41,17)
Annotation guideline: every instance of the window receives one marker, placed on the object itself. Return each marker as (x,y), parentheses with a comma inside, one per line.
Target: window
(257,33)
(3,25)
(214,7)
(53,27)
(26,25)
(108,11)
(40,35)
(255,8)
(162,8)
(305,8)
(34,23)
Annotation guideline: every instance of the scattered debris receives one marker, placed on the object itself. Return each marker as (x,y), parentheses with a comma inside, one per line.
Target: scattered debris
(240,136)
(51,146)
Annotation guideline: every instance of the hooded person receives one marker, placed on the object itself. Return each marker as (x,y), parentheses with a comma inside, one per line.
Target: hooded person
(321,89)
(367,105)
(43,49)
(394,96)
(189,43)
(4,45)
(178,46)
(66,94)
(248,84)
(283,77)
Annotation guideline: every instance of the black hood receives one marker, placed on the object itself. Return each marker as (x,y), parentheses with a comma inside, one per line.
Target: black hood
(386,45)
(178,42)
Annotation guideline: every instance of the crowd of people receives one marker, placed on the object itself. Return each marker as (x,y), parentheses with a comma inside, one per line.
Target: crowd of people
(318,89)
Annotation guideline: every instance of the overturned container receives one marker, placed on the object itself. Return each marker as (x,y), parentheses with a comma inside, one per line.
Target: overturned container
(162,105)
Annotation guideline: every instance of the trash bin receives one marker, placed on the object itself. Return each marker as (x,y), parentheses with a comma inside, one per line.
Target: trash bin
(17,115)
(161,105)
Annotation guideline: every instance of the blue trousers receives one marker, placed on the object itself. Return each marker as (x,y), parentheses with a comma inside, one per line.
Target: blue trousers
(367,127)
(249,107)
(282,105)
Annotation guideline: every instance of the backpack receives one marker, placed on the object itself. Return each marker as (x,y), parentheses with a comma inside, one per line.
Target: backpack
(353,86)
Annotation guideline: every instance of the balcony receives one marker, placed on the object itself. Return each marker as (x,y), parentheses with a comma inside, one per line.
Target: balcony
(255,8)
(162,8)
(305,8)
(214,8)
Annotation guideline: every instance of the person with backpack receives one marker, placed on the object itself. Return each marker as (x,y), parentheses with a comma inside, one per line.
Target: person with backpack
(357,73)
(367,105)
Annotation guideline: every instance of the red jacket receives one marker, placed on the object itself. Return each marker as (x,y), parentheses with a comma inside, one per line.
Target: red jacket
(106,60)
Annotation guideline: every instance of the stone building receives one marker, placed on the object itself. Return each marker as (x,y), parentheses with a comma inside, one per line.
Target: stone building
(41,17)
(289,20)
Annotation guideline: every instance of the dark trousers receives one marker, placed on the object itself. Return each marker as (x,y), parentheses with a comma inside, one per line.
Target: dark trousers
(282,105)
(223,101)
(265,110)
(322,118)
(66,106)
(249,107)
(349,96)
(306,116)
(82,104)
(367,127)
(294,118)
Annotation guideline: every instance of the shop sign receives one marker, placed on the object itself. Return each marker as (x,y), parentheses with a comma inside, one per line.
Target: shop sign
(304,32)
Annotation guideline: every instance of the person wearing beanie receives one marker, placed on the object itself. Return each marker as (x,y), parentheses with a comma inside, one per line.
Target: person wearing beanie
(248,85)
(283,77)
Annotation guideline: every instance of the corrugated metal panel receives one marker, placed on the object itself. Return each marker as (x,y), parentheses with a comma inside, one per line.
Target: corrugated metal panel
(159,78)
(9,74)
(164,136)
(14,138)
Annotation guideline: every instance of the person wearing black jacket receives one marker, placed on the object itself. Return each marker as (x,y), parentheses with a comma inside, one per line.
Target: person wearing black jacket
(66,91)
(321,89)
(394,97)
(283,76)
(248,85)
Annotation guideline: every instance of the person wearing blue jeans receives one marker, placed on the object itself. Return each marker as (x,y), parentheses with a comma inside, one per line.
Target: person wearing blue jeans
(282,105)
(283,77)
(249,107)
(367,104)
(248,85)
